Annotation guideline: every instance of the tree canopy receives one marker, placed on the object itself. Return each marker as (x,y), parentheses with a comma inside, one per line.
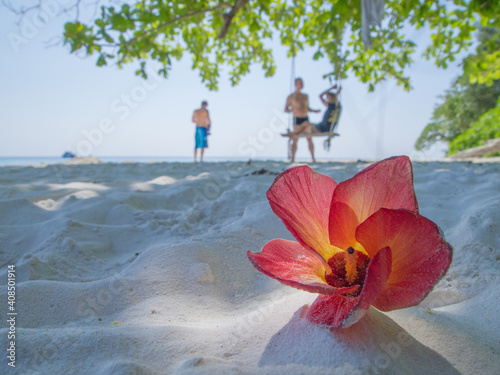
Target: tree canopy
(232,35)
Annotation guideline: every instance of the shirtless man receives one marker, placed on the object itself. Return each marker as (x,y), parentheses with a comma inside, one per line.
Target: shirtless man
(330,99)
(298,104)
(202,120)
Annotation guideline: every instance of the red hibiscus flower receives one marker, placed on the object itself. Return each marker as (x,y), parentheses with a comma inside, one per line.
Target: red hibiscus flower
(360,243)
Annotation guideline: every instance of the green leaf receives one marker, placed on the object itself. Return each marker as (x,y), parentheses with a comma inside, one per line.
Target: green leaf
(101,60)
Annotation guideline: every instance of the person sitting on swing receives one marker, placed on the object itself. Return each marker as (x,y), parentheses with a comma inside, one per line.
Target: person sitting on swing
(330,99)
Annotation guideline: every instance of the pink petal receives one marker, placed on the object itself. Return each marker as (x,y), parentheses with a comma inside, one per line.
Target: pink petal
(301,198)
(420,255)
(343,311)
(388,183)
(293,265)
(331,310)
(342,225)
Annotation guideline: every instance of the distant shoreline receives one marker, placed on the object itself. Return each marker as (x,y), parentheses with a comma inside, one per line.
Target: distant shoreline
(41,161)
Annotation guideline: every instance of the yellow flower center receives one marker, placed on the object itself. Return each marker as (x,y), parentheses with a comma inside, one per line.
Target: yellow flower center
(348,269)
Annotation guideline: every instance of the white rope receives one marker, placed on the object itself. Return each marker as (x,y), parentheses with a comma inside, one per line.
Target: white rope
(372,12)
(292,83)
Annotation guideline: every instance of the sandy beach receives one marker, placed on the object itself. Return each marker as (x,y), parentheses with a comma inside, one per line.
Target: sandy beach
(141,269)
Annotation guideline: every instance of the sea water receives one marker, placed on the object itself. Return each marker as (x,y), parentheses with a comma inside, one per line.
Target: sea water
(41,160)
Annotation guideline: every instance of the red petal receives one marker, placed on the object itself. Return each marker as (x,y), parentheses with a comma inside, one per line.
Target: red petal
(377,274)
(342,226)
(388,183)
(293,265)
(331,310)
(301,198)
(337,311)
(420,255)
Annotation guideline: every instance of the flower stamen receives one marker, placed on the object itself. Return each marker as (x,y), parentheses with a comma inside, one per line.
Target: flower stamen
(351,268)
(348,268)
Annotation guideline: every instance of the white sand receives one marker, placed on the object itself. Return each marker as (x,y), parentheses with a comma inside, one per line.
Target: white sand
(141,269)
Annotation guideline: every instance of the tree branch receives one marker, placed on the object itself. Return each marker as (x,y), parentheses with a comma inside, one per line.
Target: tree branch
(228,17)
(21,11)
(180,18)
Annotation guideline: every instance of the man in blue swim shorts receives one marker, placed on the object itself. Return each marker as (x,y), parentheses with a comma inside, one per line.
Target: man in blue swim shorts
(202,120)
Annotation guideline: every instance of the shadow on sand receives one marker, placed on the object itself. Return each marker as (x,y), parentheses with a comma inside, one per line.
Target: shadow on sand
(374,345)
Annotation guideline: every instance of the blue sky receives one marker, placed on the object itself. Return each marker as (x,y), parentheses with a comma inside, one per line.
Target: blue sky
(53,101)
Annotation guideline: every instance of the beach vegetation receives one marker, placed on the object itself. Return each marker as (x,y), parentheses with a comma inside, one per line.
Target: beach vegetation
(485,128)
(468,113)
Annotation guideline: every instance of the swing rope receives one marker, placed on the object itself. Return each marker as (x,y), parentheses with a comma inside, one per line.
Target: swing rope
(292,80)
(292,117)
(338,66)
